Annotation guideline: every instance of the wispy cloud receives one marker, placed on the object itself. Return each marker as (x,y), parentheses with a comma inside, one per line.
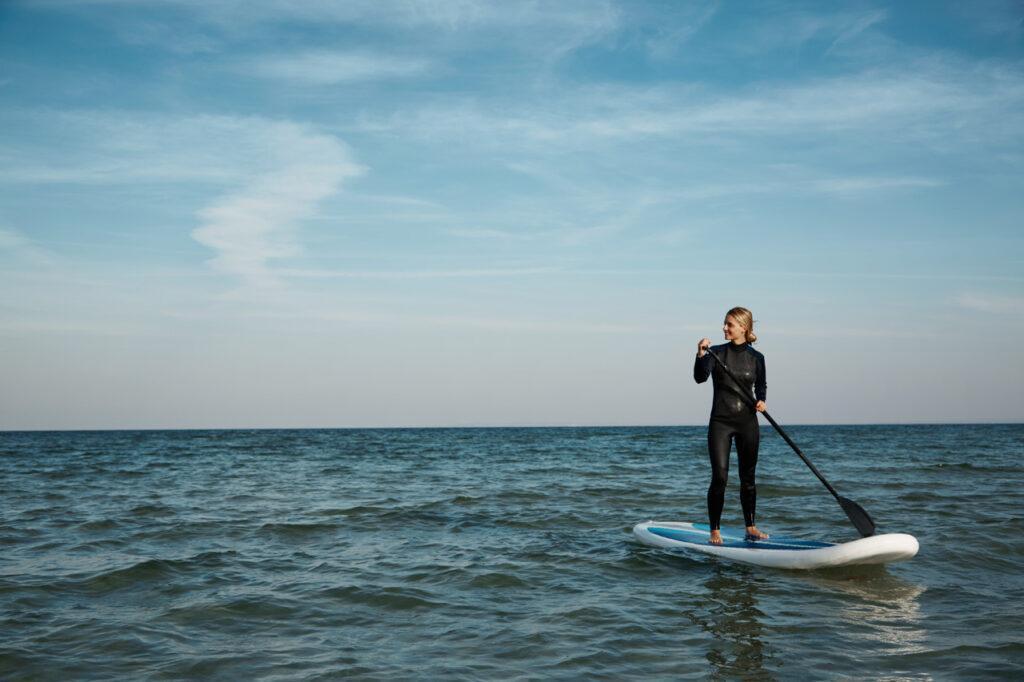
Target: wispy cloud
(141,32)
(432,321)
(488,233)
(551,30)
(668,37)
(802,183)
(272,174)
(785,27)
(848,332)
(910,276)
(929,103)
(22,248)
(414,274)
(858,25)
(323,67)
(451,15)
(252,226)
(859,185)
(121,147)
(990,303)
(580,233)
(18,326)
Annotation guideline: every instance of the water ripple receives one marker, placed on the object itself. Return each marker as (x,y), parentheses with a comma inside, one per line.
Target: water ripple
(495,553)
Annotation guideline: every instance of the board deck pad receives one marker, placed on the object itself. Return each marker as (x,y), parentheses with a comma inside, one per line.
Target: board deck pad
(701,532)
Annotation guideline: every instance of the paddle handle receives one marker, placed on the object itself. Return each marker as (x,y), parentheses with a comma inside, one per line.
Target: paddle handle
(750,401)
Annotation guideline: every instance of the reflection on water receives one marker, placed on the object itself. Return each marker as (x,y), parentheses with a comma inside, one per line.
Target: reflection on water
(732,617)
(867,603)
(887,604)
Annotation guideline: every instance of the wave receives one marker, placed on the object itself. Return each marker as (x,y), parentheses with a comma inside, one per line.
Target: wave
(388,598)
(147,572)
(151,510)
(99,525)
(297,529)
(498,580)
(251,608)
(357,511)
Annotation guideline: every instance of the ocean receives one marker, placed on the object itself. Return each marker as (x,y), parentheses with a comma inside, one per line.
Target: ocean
(477,554)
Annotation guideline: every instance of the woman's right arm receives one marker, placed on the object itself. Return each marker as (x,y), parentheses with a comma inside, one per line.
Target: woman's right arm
(702,365)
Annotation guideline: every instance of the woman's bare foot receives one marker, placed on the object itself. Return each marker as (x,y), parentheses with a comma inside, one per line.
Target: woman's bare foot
(754,534)
(716,537)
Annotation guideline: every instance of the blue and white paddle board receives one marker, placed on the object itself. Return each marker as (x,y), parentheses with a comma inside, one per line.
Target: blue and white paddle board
(777,551)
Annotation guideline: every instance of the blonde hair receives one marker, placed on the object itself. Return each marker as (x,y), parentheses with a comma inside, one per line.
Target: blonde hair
(746,320)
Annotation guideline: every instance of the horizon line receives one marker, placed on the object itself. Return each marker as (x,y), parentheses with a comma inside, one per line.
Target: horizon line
(488,427)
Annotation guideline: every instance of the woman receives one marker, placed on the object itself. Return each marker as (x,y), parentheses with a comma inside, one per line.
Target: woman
(732,416)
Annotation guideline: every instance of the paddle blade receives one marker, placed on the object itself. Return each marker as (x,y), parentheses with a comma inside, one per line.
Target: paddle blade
(860,518)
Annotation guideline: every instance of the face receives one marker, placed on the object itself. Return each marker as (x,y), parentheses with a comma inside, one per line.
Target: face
(733,330)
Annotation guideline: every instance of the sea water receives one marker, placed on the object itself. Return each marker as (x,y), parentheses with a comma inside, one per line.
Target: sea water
(497,554)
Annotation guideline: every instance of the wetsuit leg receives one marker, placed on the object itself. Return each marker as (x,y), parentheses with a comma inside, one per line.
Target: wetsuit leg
(748,438)
(720,435)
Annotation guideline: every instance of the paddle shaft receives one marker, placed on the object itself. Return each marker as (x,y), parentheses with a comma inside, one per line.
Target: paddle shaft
(785,436)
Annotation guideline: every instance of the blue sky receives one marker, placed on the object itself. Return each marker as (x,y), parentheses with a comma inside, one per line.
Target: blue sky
(276,214)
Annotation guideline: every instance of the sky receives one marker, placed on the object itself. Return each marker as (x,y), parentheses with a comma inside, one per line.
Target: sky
(263,213)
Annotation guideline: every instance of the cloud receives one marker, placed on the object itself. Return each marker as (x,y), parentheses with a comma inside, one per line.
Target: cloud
(11,240)
(417,274)
(432,321)
(582,232)
(942,104)
(22,248)
(669,33)
(120,147)
(988,303)
(256,224)
(801,184)
(488,233)
(324,67)
(797,27)
(541,30)
(450,15)
(144,33)
(859,185)
(269,175)
(18,326)
(857,26)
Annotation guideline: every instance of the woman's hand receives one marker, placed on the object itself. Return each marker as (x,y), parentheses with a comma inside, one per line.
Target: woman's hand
(702,346)
(760,406)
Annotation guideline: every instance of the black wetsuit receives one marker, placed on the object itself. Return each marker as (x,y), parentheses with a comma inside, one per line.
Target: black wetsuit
(732,417)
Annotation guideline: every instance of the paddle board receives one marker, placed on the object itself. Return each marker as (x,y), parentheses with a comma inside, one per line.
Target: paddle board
(777,551)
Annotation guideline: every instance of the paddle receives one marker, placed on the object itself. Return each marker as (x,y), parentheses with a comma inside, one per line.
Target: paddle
(860,518)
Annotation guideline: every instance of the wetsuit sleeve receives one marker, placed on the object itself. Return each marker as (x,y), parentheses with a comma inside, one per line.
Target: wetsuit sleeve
(702,368)
(760,384)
